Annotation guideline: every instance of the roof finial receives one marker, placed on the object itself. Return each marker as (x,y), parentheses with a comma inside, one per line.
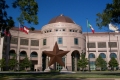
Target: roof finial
(61,15)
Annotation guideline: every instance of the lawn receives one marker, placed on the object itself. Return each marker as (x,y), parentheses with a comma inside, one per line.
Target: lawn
(51,75)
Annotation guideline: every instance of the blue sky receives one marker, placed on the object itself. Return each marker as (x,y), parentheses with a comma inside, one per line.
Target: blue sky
(77,10)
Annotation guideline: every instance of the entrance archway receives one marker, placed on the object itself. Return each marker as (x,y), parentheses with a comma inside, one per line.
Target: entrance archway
(44,57)
(58,66)
(75,56)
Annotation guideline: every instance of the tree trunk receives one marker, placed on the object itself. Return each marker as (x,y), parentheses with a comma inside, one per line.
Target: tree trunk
(83,69)
(25,68)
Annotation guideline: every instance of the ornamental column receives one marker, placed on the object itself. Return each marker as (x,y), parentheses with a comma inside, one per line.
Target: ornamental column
(75,62)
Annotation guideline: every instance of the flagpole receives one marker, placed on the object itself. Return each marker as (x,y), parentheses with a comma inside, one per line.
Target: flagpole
(118,48)
(109,42)
(18,50)
(88,47)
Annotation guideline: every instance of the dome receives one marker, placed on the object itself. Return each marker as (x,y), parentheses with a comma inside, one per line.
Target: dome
(61,18)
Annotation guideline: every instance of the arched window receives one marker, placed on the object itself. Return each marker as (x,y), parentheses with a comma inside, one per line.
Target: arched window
(113,55)
(23,53)
(102,55)
(34,54)
(12,52)
(91,55)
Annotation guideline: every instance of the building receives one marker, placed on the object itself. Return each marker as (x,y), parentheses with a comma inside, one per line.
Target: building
(69,36)
(104,44)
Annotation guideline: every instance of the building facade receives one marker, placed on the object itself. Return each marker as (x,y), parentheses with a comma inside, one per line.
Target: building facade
(104,44)
(69,37)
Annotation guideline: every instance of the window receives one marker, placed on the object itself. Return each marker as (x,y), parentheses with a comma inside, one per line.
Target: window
(101,44)
(56,29)
(80,32)
(75,30)
(44,41)
(92,65)
(91,45)
(24,41)
(13,40)
(34,42)
(103,55)
(91,55)
(112,44)
(60,40)
(23,53)
(63,29)
(34,54)
(59,29)
(76,41)
(113,55)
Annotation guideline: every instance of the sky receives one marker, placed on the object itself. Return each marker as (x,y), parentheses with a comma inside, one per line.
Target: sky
(78,10)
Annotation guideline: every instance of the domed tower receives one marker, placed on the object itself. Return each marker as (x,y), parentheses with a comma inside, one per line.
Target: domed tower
(61,18)
(68,35)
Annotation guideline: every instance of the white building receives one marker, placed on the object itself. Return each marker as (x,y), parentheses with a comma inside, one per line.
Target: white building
(69,36)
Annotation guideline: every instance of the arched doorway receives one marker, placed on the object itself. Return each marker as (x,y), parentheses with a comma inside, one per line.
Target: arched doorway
(34,59)
(75,56)
(55,66)
(58,66)
(92,61)
(44,57)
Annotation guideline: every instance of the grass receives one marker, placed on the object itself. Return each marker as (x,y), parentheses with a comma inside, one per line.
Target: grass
(51,75)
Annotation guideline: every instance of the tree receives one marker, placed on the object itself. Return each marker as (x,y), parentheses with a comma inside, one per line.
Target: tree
(100,63)
(113,63)
(2,63)
(29,9)
(32,28)
(82,62)
(13,63)
(111,14)
(26,63)
(6,22)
